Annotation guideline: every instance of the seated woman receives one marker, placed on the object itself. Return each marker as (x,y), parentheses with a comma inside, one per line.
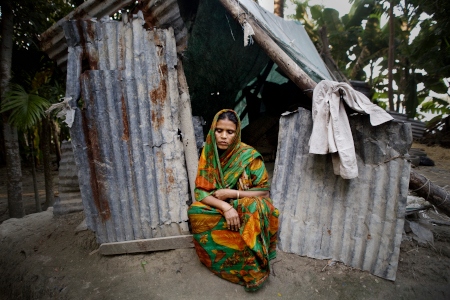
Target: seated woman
(234,223)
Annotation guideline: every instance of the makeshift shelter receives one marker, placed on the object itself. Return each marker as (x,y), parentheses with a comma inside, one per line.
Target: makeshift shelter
(132,83)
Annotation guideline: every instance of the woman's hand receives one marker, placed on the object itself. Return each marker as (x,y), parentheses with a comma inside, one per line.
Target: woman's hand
(232,217)
(224,194)
(230,214)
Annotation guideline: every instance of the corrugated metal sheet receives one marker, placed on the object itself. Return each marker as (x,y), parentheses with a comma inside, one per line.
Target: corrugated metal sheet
(69,197)
(164,14)
(417,127)
(359,221)
(157,13)
(126,141)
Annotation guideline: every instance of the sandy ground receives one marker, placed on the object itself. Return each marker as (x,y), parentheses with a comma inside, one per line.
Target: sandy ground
(43,257)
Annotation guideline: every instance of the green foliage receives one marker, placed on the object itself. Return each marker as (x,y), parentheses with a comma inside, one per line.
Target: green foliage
(357,40)
(359,12)
(31,18)
(24,109)
(436,106)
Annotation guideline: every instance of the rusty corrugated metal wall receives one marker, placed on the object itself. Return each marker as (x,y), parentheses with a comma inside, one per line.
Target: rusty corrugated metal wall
(125,137)
(359,221)
(157,13)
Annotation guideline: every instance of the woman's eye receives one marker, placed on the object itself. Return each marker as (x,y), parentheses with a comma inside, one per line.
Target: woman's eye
(230,132)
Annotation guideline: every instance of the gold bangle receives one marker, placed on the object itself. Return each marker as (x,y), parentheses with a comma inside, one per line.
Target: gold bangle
(237,194)
(228,209)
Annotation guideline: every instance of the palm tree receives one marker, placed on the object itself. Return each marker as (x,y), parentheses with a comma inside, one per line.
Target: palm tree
(13,169)
(337,38)
(25,111)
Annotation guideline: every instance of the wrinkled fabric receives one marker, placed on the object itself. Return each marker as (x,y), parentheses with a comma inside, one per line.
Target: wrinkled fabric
(331,131)
(240,257)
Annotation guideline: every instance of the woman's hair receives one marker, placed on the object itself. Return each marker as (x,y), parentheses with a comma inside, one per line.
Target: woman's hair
(228,115)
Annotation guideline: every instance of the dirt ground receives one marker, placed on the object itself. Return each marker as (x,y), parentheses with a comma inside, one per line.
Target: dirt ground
(43,257)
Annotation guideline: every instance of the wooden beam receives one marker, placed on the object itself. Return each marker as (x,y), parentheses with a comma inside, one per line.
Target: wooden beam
(275,53)
(147,245)
(432,193)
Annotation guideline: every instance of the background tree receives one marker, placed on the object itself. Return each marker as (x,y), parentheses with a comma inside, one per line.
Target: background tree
(391,55)
(26,19)
(25,111)
(340,39)
(278,8)
(11,146)
(414,78)
(359,46)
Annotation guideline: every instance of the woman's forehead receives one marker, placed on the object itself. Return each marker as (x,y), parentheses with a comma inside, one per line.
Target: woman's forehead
(225,124)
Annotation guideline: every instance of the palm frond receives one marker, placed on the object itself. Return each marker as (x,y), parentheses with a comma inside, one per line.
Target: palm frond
(24,109)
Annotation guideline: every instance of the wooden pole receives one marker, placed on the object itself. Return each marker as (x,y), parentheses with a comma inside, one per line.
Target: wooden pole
(275,53)
(432,193)
(187,128)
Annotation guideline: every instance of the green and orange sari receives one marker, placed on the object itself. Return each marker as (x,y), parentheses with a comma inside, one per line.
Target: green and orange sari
(240,257)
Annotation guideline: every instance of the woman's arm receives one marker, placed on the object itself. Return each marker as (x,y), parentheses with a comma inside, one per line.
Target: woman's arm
(230,214)
(224,194)
(216,203)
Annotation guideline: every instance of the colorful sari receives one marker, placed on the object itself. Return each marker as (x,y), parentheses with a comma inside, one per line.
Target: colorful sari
(240,257)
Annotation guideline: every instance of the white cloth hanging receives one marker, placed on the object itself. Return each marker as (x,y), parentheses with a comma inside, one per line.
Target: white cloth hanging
(65,111)
(331,131)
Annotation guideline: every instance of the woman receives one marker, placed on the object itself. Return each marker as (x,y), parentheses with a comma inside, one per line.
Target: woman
(234,223)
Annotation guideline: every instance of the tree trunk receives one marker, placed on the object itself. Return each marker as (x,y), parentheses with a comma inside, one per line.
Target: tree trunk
(371,73)
(2,145)
(432,193)
(13,168)
(328,58)
(13,172)
(359,62)
(391,56)
(278,8)
(55,135)
(45,137)
(37,201)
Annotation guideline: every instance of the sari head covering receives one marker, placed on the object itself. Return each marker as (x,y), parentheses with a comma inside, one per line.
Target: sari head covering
(218,171)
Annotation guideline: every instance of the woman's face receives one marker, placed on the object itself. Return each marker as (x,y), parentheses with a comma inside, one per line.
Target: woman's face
(225,133)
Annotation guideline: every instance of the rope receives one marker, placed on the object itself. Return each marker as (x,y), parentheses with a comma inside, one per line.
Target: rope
(429,188)
(428,180)
(446,195)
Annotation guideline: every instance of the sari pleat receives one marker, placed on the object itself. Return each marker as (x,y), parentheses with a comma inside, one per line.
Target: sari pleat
(240,257)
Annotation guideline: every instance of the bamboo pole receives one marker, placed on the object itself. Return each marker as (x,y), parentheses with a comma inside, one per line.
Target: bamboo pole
(187,128)
(432,193)
(275,53)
